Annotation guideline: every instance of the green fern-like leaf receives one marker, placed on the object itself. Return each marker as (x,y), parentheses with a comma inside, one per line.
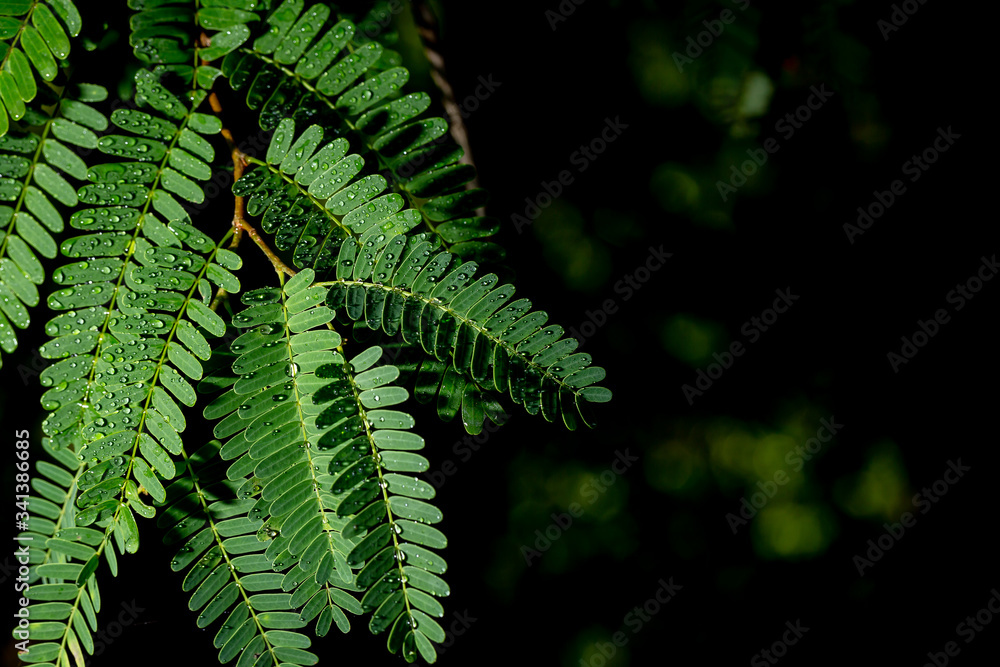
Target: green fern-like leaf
(135,318)
(436,301)
(317,440)
(436,382)
(314,196)
(226,570)
(336,222)
(341,82)
(35,166)
(162,34)
(276,420)
(36,37)
(373,460)
(63,559)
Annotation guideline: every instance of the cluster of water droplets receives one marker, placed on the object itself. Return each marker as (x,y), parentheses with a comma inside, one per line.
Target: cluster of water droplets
(113,194)
(137,148)
(158,278)
(105,244)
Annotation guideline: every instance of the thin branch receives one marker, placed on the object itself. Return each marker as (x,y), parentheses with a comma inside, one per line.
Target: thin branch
(239,222)
(279,266)
(241,225)
(220,296)
(428,29)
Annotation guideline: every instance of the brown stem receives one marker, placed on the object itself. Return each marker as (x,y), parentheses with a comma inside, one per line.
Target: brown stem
(213,101)
(239,212)
(239,222)
(427,28)
(241,225)
(220,296)
(279,266)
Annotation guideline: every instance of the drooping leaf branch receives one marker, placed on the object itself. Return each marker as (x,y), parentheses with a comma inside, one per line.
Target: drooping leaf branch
(306,509)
